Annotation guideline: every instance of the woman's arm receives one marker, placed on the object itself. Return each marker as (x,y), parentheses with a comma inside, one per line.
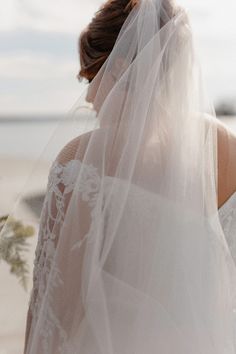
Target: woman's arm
(226,163)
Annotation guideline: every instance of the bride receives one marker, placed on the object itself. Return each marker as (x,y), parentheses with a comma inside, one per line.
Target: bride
(137,242)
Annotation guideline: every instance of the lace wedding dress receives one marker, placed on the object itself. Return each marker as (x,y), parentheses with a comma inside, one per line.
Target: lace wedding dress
(62,177)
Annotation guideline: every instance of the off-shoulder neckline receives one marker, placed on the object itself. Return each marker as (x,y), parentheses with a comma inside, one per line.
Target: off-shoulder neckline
(228,205)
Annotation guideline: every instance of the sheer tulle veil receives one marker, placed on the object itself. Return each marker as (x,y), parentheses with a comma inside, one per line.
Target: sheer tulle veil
(140,263)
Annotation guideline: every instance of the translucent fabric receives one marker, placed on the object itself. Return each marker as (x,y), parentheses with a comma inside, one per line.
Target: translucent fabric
(131,255)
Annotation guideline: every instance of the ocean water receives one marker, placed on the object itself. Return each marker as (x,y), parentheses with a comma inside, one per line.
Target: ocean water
(37,137)
(25,138)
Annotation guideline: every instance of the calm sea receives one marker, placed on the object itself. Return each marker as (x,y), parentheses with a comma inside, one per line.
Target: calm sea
(27,138)
(38,137)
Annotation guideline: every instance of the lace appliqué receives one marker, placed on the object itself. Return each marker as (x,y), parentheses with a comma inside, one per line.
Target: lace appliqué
(52,216)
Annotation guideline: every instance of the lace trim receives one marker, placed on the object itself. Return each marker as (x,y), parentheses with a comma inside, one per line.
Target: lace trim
(227,214)
(228,206)
(66,176)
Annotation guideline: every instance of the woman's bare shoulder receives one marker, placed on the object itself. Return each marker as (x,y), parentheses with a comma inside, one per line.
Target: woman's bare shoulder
(74,149)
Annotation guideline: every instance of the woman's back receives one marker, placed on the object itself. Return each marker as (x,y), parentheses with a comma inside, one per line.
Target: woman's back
(226,160)
(226,179)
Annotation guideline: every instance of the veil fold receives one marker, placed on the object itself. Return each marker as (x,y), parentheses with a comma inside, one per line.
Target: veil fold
(131,255)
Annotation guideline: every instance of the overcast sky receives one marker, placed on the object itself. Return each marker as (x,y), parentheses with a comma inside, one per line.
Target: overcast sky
(39,59)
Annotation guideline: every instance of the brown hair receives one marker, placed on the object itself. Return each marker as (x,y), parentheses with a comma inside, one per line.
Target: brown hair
(97,40)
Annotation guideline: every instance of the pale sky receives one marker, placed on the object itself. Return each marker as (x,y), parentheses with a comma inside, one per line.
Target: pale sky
(39,59)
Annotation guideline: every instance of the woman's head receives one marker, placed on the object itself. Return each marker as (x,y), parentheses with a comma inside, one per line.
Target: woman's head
(98,39)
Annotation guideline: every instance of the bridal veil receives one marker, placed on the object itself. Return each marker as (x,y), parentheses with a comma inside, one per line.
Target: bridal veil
(135,259)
